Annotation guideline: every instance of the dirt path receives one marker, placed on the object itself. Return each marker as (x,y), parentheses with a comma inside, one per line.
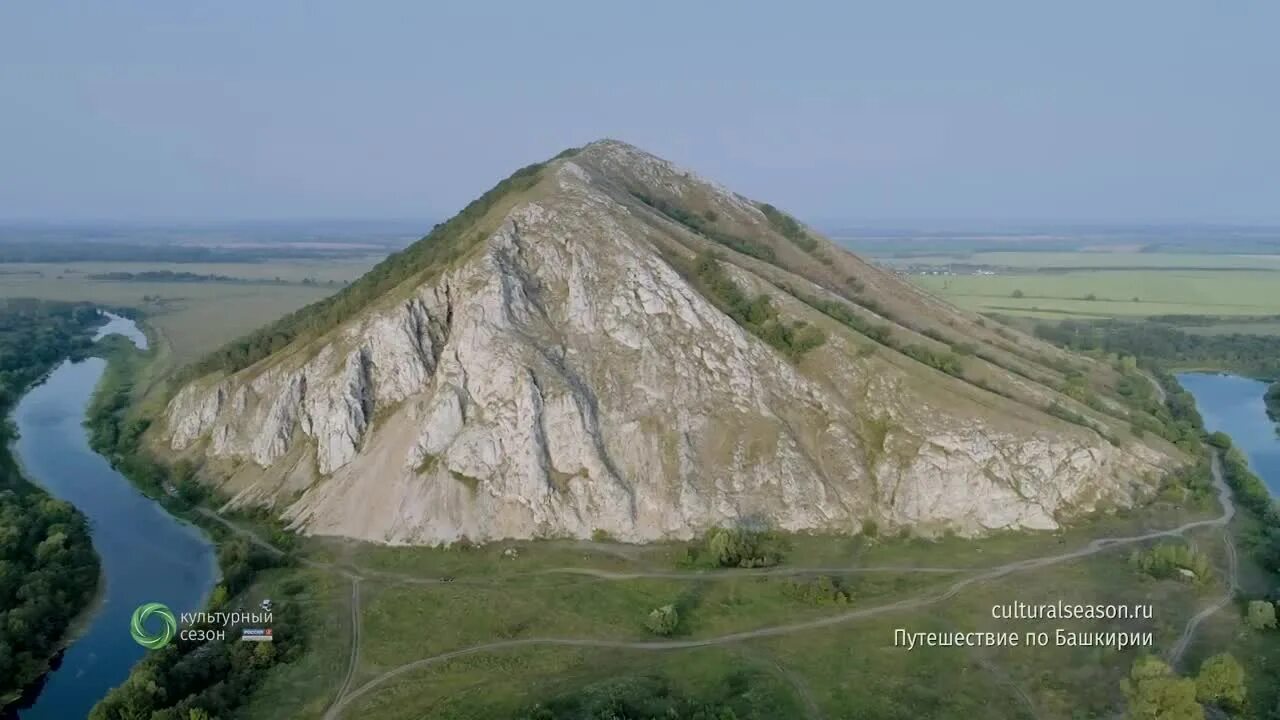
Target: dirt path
(1160,392)
(1233,578)
(354,659)
(614,575)
(982,577)
(811,708)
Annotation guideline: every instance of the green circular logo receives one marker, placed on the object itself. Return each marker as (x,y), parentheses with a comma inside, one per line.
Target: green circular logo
(153,640)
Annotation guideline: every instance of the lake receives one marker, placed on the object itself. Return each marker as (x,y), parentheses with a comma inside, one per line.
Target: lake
(1234,405)
(147,554)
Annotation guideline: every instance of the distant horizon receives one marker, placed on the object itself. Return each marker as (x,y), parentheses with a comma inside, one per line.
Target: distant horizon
(1012,225)
(840,113)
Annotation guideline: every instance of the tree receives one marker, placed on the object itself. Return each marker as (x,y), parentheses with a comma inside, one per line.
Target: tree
(1261,615)
(199,714)
(663,621)
(263,655)
(218,598)
(1018,294)
(1220,440)
(1221,682)
(1154,692)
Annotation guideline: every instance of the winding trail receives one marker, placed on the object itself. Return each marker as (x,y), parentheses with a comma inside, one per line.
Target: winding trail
(1160,391)
(981,577)
(1233,574)
(354,659)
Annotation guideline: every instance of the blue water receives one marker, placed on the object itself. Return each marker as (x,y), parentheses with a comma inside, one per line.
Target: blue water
(147,554)
(117,325)
(1234,405)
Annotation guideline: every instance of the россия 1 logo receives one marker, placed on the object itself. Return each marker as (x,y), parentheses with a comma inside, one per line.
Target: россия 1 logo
(148,639)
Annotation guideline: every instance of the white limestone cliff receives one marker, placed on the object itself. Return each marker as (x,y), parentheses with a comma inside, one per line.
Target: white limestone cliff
(565,378)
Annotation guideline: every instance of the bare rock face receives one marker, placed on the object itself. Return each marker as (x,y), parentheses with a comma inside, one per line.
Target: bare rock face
(568,374)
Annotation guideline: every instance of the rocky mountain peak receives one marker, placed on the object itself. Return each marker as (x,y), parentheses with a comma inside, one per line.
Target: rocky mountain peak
(608,342)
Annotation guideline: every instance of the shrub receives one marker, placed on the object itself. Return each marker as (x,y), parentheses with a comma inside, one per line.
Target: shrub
(786,226)
(1221,682)
(822,590)
(1261,615)
(741,547)
(1166,560)
(663,621)
(1153,690)
(756,314)
(700,225)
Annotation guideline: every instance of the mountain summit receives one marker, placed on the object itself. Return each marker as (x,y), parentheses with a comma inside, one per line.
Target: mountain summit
(606,342)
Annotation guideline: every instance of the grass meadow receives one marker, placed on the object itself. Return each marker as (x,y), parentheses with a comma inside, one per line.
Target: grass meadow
(1117,292)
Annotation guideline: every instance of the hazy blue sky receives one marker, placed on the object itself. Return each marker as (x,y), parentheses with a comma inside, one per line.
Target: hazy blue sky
(1131,110)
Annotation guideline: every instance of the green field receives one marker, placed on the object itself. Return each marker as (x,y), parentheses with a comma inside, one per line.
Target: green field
(1134,293)
(845,670)
(1094,260)
(422,603)
(319,270)
(190,318)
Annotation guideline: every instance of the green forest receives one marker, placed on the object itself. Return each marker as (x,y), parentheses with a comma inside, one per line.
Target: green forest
(1165,343)
(48,570)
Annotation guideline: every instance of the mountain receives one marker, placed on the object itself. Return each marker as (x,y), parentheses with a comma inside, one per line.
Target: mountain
(607,342)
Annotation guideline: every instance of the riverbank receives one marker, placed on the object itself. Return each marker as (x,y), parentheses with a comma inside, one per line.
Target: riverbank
(1236,405)
(46,549)
(1233,411)
(117,419)
(145,554)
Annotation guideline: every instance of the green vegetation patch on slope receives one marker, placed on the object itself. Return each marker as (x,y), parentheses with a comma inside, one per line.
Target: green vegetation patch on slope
(444,244)
(756,314)
(947,362)
(704,225)
(48,570)
(788,227)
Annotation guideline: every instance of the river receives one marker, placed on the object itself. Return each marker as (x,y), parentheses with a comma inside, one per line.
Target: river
(1234,405)
(147,554)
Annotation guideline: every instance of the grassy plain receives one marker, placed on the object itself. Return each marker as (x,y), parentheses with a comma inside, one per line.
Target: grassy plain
(303,688)
(1157,292)
(318,269)
(848,670)
(191,318)
(1114,260)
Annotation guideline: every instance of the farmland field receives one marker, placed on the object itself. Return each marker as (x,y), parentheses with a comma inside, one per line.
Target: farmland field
(191,318)
(320,270)
(1116,260)
(1114,292)
(1100,284)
